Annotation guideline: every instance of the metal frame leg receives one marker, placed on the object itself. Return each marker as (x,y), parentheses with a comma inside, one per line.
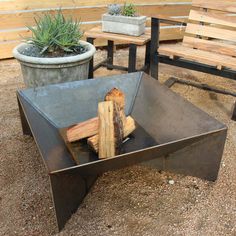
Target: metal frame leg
(90,40)
(132,58)
(24,123)
(155,32)
(110,54)
(234,112)
(172,80)
(147,57)
(68,191)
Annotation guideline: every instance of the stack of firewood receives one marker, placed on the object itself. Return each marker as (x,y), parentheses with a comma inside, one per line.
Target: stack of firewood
(105,133)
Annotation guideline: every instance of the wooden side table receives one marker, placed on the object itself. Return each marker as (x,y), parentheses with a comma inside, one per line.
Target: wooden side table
(132,41)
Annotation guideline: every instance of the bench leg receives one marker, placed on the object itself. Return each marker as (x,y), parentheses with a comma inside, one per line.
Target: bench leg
(155,32)
(90,76)
(132,58)
(147,57)
(234,112)
(110,54)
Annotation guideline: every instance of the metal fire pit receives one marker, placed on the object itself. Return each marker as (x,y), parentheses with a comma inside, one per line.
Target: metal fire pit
(172,134)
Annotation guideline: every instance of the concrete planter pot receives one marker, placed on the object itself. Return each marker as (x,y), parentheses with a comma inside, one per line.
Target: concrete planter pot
(43,71)
(119,24)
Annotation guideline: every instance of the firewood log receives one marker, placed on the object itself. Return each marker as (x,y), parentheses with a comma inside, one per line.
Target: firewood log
(82,130)
(110,129)
(90,127)
(117,96)
(128,129)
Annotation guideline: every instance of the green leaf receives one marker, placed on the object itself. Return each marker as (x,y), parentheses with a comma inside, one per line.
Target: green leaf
(55,33)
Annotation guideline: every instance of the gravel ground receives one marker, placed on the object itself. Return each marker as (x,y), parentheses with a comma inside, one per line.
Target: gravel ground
(130,201)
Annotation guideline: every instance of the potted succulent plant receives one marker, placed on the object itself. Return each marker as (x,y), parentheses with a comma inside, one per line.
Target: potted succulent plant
(123,20)
(54,53)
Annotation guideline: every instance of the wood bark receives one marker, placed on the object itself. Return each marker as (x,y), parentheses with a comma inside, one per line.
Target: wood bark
(117,96)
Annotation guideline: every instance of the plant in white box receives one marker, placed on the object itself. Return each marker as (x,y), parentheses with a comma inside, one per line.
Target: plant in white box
(123,20)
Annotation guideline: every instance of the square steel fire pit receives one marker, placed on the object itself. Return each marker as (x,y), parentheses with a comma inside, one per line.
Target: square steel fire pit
(172,134)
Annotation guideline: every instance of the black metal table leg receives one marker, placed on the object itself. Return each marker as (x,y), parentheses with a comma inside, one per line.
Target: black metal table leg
(132,58)
(90,40)
(147,57)
(234,112)
(110,53)
(155,32)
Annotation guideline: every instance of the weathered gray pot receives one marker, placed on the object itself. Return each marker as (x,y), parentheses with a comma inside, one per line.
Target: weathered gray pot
(119,24)
(43,71)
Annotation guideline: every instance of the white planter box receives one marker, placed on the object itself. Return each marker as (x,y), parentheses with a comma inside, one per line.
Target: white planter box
(134,26)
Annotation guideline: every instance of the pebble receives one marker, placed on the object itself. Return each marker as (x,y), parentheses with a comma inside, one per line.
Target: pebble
(171,181)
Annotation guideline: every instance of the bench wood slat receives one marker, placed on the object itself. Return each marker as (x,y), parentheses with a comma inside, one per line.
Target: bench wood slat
(209,31)
(198,55)
(213,18)
(219,5)
(210,45)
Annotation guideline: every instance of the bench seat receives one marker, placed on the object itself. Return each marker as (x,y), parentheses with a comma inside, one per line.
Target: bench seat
(201,56)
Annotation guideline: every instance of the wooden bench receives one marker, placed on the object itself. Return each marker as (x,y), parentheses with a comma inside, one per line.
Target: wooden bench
(132,41)
(209,43)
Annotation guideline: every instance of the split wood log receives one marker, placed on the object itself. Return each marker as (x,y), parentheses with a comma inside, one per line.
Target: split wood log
(82,130)
(129,127)
(90,127)
(110,129)
(117,96)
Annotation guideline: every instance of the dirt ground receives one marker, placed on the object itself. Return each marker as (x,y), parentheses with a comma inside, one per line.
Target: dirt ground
(131,201)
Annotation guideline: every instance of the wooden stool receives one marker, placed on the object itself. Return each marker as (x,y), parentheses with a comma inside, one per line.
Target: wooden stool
(132,41)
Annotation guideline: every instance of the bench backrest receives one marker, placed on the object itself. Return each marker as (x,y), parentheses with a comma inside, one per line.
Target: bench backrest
(212,26)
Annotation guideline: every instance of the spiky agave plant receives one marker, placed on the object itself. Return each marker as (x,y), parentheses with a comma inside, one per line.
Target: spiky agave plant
(55,34)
